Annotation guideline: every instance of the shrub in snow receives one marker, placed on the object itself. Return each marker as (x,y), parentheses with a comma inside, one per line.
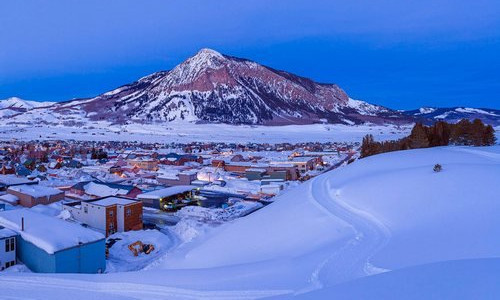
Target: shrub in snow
(437,168)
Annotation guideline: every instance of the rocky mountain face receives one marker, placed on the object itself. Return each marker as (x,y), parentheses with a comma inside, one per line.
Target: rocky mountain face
(212,87)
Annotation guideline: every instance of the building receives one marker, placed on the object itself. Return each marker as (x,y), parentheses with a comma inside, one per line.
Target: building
(7,248)
(182,178)
(97,189)
(7,181)
(255,173)
(108,214)
(31,195)
(144,164)
(50,245)
(167,198)
(9,199)
(179,159)
(305,163)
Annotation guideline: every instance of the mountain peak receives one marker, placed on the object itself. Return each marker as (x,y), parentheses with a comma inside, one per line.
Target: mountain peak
(209,52)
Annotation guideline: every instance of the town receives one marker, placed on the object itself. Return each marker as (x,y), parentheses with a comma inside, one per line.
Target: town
(96,207)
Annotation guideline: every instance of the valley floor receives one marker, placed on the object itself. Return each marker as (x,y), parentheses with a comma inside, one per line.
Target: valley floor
(189,132)
(382,222)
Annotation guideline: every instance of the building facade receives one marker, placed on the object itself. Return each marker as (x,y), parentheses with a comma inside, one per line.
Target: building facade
(7,248)
(108,214)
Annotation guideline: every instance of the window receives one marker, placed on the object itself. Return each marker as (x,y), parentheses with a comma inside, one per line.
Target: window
(129,212)
(10,244)
(10,263)
(86,209)
(110,213)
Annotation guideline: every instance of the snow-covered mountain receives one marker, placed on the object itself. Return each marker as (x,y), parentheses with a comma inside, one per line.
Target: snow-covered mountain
(455,114)
(212,87)
(18,103)
(14,106)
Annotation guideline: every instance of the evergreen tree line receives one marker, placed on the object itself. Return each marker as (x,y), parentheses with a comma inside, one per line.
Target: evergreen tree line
(474,133)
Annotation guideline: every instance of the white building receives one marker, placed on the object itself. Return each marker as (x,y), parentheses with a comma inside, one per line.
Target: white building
(7,248)
(108,214)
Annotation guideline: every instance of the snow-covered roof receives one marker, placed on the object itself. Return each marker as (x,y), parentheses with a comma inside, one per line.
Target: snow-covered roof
(35,190)
(9,198)
(256,170)
(48,233)
(302,159)
(13,179)
(112,201)
(5,232)
(166,192)
(102,190)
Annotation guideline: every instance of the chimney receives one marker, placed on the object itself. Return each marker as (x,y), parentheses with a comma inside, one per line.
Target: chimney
(22,224)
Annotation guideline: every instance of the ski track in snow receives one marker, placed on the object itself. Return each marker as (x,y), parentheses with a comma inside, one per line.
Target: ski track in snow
(353,259)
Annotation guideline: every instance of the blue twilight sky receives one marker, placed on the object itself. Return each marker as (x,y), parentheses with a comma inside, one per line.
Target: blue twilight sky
(398,53)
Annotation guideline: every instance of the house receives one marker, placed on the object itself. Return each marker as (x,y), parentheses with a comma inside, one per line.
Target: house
(50,245)
(98,189)
(304,163)
(144,163)
(115,169)
(31,195)
(255,173)
(182,178)
(7,248)
(7,181)
(179,159)
(9,199)
(21,170)
(167,198)
(7,170)
(108,214)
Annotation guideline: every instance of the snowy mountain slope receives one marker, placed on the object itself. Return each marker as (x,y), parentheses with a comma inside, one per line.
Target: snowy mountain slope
(455,114)
(385,212)
(15,102)
(212,87)
(13,106)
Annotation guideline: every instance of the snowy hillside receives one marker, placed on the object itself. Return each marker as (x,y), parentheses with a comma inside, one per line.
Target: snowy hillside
(15,102)
(14,106)
(380,214)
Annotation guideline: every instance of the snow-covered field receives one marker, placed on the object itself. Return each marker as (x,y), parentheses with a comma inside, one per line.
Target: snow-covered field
(188,132)
(324,238)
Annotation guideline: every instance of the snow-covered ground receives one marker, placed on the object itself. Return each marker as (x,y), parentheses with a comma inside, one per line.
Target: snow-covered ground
(121,258)
(389,212)
(189,132)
